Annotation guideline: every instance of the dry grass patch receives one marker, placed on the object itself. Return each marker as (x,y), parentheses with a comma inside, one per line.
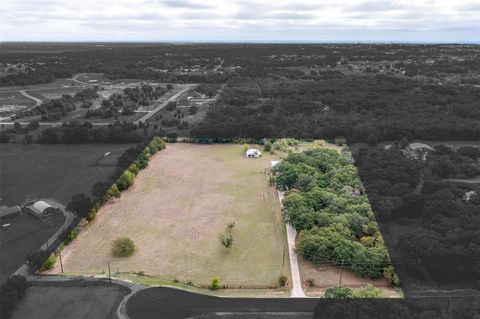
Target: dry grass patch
(176,211)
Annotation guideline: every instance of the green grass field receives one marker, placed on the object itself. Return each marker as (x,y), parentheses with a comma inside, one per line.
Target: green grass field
(175,212)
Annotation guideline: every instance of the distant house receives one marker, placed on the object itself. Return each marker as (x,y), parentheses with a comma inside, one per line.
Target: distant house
(7,213)
(252,152)
(41,209)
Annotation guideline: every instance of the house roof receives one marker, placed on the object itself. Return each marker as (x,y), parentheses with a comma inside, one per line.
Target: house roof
(41,205)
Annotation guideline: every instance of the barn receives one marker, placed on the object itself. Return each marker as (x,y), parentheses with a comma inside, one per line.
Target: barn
(41,208)
(7,213)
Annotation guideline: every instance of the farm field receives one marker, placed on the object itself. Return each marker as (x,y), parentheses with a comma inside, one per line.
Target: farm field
(70,300)
(175,212)
(54,171)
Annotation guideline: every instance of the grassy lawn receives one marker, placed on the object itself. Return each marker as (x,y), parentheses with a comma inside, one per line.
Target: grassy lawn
(175,212)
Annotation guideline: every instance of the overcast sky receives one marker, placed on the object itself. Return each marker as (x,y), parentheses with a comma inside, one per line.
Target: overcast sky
(241,20)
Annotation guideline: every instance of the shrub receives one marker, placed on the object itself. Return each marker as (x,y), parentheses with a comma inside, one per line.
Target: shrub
(282,280)
(214,283)
(231,225)
(133,168)
(245,148)
(92,214)
(125,180)
(71,236)
(267,147)
(226,240)
(369,291)
(310,282)
(49,263)
(391,276)
(123,247)
(338,293)
(114,192)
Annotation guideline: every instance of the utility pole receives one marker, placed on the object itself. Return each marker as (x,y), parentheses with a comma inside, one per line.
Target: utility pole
(109,276)
(60,257)
(341,272)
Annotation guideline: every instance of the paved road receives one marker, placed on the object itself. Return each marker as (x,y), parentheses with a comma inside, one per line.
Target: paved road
(163,302)
(162,105)
(54,123)
(297,290)
(37,100)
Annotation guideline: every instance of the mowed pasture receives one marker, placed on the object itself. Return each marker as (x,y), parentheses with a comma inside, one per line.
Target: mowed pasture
(176,211)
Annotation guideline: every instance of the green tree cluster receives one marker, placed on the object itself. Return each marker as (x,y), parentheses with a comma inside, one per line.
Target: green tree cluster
(326,203)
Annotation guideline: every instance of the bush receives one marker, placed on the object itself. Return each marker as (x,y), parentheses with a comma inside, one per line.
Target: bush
(123,247)
(133,168)
(49,263)
(282,280)
(338,293)
(310,282)
(214,283)
(71,236)
(92,214)
(114,192)
(125,180)
(391,276)
(267,147)
(226,240)
(368,291)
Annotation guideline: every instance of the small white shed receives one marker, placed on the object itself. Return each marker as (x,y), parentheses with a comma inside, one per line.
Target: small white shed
(253,152)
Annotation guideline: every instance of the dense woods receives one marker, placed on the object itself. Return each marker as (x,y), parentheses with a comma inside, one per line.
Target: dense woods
(431,227)
(362,109)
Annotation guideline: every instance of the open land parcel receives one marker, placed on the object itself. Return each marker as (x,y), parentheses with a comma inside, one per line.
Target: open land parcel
(176,211)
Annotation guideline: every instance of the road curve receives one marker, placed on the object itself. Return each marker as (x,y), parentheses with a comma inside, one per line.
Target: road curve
(25,94)
(164,302)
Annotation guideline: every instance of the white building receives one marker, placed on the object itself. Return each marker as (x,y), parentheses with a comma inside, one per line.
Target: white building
(252,152)
(41,208)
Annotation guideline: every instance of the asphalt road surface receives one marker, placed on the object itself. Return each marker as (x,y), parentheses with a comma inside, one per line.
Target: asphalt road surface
(162,302)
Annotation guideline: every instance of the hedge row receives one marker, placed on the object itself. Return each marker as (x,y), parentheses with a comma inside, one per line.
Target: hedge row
(126,179)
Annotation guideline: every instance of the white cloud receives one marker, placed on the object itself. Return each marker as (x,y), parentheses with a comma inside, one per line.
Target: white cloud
(239,20)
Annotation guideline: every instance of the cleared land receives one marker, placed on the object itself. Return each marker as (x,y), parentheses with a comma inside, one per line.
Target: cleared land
(70,300)
(175,212)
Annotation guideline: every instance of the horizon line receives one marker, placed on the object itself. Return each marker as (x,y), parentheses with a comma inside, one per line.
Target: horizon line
(406,42)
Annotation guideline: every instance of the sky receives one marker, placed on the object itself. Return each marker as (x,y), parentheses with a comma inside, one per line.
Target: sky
(241,20)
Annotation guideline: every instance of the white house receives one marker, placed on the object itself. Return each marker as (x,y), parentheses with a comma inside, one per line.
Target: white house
(252,152)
